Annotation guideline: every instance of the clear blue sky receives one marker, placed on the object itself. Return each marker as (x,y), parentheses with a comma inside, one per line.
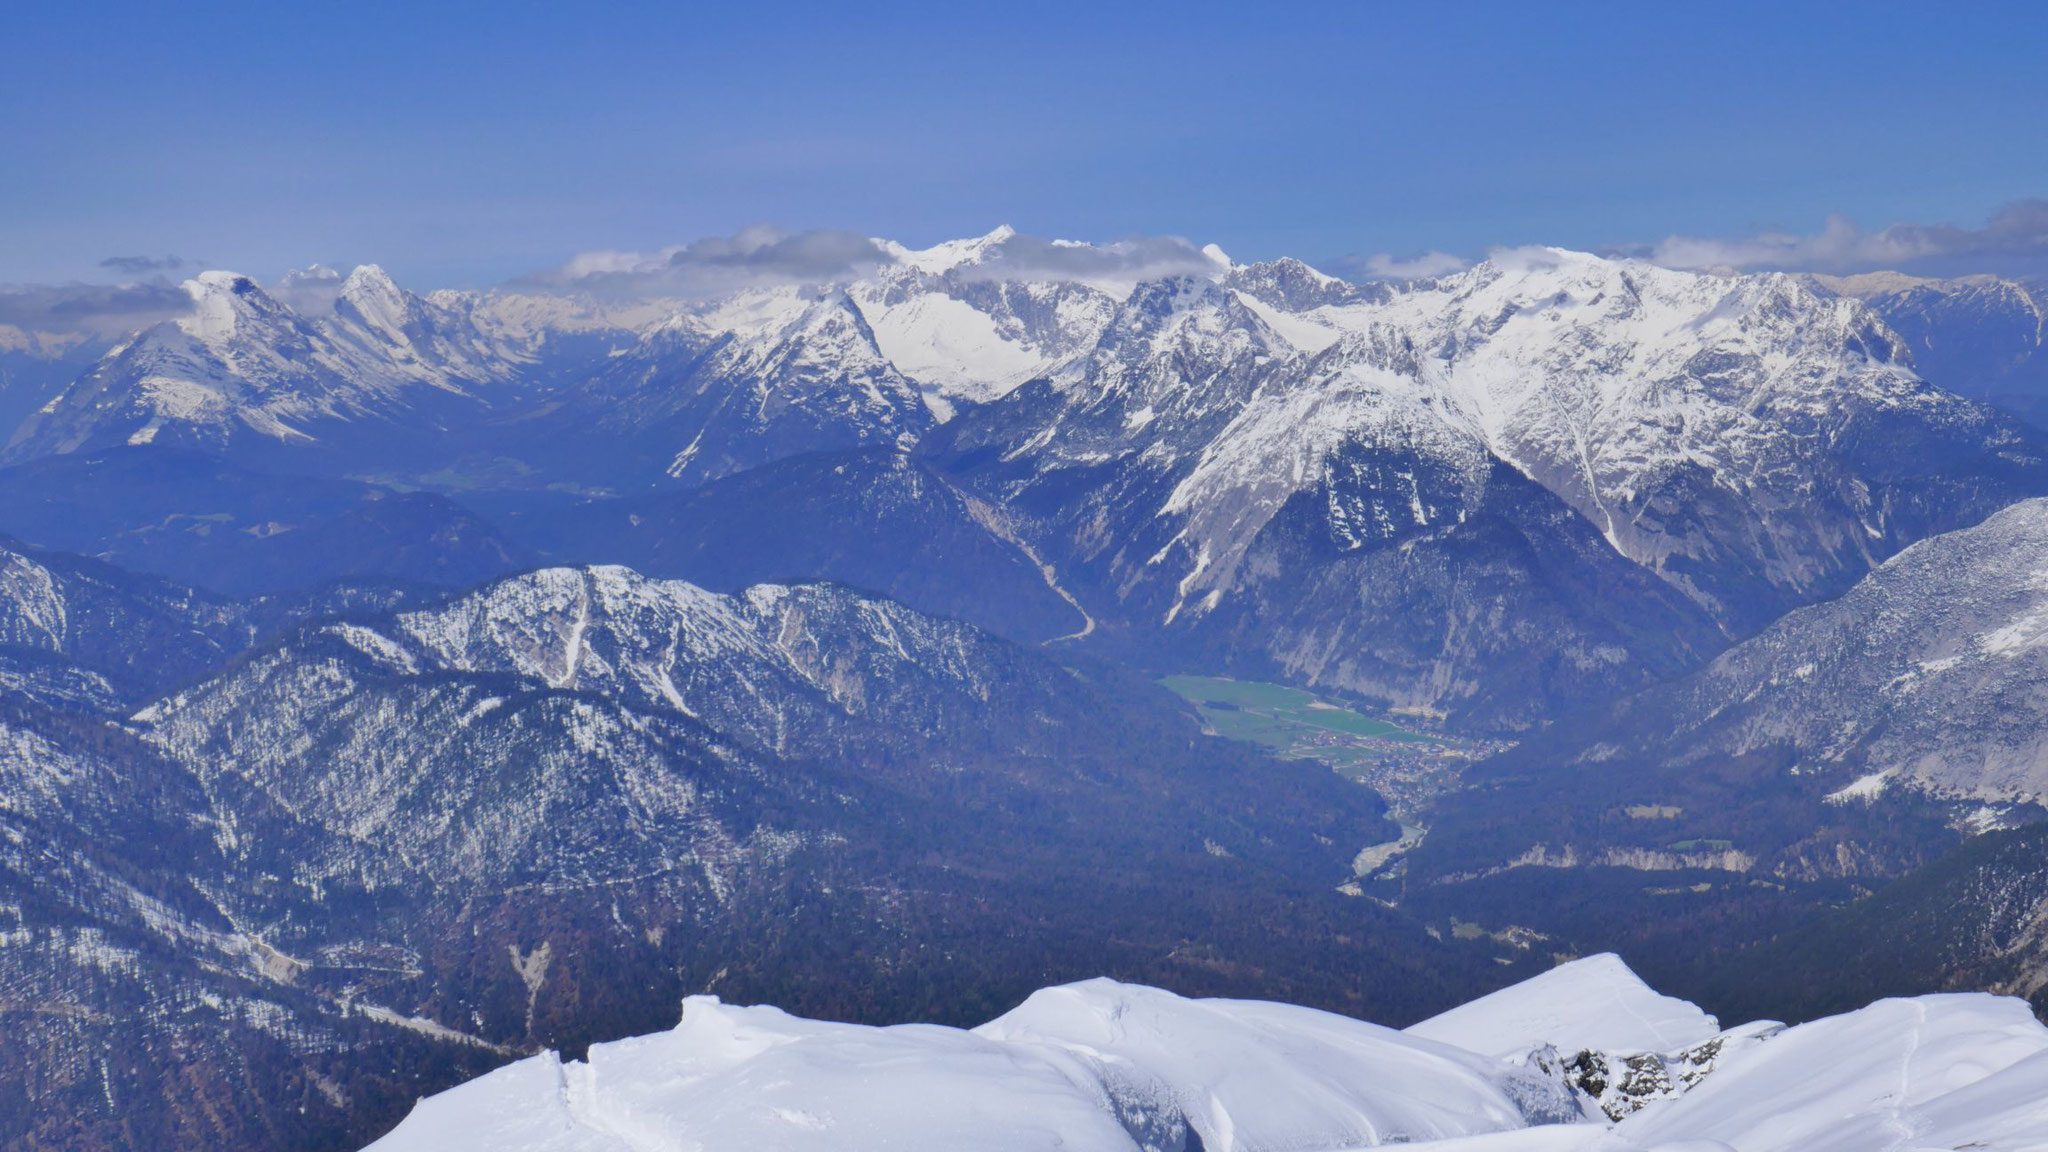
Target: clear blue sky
(463,144)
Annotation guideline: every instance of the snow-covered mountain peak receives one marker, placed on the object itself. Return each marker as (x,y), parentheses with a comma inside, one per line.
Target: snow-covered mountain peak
(965,336)
(836,321)
(1562,298)
(563,625)
(779,664)
(1596,1003)
(370,279)
(1983,336)
(227,304)
(1181,352)
(1293,286)
(1866,285)
(751,313)
(218,280)
(1606,380)
(372,309)
(810,341)
(377,299)
(1193,317)
(1713,429)
(33,611)
(950,254)
(1006,255)
(824,316)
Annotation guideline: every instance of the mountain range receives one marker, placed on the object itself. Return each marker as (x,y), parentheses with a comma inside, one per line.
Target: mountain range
(397,684)
(1559,477)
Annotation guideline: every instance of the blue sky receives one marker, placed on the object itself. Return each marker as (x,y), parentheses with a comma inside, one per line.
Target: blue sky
(465,144)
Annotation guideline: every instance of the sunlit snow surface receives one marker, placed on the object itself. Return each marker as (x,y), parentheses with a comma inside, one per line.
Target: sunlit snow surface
(1595,1003)
(1106,1067)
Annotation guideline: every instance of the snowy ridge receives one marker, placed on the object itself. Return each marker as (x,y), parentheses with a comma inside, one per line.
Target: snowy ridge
(602,722)
(1198,1058)
(677,692)
(749,379)
(955,323)
(243,363)
(1594,1003)
(1632,392)
(966,338)
(1366,390)
(75,626)
(1603,380)
(33,612)
(1107,1067)
(738,662)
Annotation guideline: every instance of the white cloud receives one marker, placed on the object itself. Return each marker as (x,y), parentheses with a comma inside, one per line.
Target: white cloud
(1139,258)
(1386,266)
(96,309)
(754,257)
(2014,241)
(137,265)
(309,291)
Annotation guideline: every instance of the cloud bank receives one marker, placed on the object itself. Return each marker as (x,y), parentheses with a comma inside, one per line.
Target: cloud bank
(91,309)
(309,291)
(1020,257)
(754,258)
(2013,242)
(141,265)
(767,257)
(1384,266)
(1387,266)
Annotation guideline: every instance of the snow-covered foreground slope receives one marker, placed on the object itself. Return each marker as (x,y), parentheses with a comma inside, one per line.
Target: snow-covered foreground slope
(1106,1067)
(1595,1003)
(1097,1065)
